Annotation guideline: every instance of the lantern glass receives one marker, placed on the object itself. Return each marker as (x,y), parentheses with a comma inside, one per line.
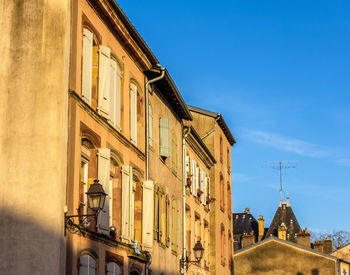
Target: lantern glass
(198,251)
(96,196)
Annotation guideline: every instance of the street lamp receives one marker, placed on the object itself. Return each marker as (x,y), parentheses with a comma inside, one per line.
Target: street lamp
(198,251)
(96,199)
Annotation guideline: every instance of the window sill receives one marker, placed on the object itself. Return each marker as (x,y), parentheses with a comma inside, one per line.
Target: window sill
(222,209)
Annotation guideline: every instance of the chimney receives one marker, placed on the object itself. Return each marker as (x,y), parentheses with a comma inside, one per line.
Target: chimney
(247,210)
(327,246)
(318,246)
(303,238)
(282,231)
(248,239)
(261,228)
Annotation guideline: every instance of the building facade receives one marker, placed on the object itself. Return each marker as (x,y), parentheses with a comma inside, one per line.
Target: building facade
(215,134)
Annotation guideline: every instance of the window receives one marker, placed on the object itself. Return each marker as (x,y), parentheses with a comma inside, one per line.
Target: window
(194,174)
(202,182)
(137,210)
(115,193)
(188,232)
(150,121)
(133,113)
(222,245)
(164,137)
(197,229)
(87,76)
(174,230)
(162,216)
(221,150)
(113,269)
(87,265)
(206,244)
(222,200)
(229,252)
(229,200)
(115,94)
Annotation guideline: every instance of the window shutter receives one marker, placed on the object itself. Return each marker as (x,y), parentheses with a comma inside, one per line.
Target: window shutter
(160,223)
(164,136)
(147,214)
(104,81)
(202,186)
(118,98)
(187,162)
(167,220)
(87,66)
(104,178)
(205,189)
(112,94)
(133,113)
(132,189)
(150,122)
(156,213)
(125,203)
(208,189)
(174,225)
(193,172)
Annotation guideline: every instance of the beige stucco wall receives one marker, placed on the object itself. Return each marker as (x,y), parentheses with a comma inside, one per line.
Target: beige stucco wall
(197,208)
(34,54)
(163,173)
(277,258)
(343,253)
(203,124)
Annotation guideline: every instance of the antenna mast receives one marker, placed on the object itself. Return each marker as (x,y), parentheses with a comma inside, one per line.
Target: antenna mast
(279,165)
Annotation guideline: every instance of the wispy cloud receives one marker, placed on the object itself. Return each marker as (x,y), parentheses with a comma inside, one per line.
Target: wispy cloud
(344,162)
(284,143)
(241,177)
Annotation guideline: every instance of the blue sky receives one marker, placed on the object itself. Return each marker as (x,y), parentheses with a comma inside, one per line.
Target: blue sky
(278,71)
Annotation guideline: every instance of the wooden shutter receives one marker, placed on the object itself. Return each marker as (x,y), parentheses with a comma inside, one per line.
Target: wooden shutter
(104,178)
(164,137)
(87,66)
(118,98)
(167,220)
(104,81)
(174,225)
(132,188)
(205,188)
(202,186)
(156,213)
(160,215)
(194,177)
(147,214)
(150,122)
(187,162)
(125,203)
(113,89)
(133,113)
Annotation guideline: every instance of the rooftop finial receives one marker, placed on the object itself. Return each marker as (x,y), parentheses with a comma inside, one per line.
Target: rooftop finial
(288,203)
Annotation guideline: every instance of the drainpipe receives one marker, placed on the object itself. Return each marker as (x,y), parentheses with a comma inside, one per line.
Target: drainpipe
(212,130)
(184,135)
(162,69)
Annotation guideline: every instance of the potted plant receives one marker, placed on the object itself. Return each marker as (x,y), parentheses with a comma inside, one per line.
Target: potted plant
(199,192)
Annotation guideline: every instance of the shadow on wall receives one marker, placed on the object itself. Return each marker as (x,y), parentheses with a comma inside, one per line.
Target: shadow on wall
(30,247)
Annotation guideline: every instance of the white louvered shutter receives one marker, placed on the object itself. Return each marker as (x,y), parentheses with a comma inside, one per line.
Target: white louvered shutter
(87,66)
(205,189)
(112,94)
(202,186)
(104,178)
(164,137)
(197,179)
(125,203)
(132,188)
(147,214)
(193,173)
(187,162)
(118,98)
(104,81)
(133,113)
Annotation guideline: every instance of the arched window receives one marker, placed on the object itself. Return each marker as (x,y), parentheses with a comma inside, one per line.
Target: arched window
(113,269)
(221,150)
(222,244)
(222,199)
(229,248)
(136,114)
(87,265)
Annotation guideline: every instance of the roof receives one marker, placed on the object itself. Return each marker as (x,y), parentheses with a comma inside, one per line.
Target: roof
(284,214)
(194,133)
(166,86)
(220,121)
(244,222)
(275,239)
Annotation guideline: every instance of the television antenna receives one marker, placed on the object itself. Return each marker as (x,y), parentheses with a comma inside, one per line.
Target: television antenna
(279,165)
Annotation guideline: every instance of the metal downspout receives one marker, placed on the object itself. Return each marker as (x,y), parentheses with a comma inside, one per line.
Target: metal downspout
(147,116)
(184,135)
(212,130)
